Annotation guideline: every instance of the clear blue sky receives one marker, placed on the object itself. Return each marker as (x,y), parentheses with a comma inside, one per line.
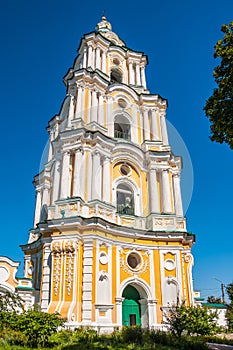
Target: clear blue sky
(38,42)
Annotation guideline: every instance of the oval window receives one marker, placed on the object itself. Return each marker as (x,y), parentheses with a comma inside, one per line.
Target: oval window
(125,169)
(134,260)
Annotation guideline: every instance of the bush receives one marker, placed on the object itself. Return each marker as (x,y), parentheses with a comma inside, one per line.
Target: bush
(132,335)
(192,320)
(38,327)
(31,328)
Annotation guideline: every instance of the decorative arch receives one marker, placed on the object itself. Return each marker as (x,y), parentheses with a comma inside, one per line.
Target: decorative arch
(141,286)
(6,287)
(136,296)
(124,89)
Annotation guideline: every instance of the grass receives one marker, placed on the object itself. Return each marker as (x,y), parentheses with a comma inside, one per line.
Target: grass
(130,338)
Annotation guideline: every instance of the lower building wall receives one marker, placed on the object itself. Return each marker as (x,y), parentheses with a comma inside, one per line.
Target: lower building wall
(90,280)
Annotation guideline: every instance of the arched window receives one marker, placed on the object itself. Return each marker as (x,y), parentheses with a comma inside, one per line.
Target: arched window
(115,76)
(125,199)
(121,128)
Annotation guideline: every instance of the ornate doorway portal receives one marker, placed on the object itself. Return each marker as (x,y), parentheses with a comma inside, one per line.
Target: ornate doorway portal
(131,310)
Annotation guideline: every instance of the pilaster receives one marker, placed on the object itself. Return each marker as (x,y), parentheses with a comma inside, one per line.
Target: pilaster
(46,275)
(87,282)
(65,177)
(177,195)
(166,194)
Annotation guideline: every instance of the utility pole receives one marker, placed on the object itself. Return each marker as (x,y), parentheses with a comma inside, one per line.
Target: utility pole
(223,295)
(222,289)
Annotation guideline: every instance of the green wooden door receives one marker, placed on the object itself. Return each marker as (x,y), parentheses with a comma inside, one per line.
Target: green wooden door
(131,315)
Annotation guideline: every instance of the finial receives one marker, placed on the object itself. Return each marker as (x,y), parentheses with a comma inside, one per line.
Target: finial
(104,25)
(103,16)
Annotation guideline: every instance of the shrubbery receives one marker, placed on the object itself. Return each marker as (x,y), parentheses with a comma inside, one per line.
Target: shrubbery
(33,329)
(192,320)
(27,328)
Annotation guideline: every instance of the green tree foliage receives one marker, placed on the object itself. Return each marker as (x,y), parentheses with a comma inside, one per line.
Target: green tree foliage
(229,289)
(219,106)
(211,299)
(192,320)
(31,328)
(229,314)
(11,302)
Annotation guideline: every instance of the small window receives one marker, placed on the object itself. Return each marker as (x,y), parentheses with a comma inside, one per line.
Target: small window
(122,103)
(125,199)
(116,61)
(116,76)
(134,260)
(121,128)
(125,169)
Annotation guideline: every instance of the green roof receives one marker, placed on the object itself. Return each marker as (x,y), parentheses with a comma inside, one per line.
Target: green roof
(214,305)
(25,288)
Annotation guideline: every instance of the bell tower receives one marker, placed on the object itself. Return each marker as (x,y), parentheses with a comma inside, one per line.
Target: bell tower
(109,245)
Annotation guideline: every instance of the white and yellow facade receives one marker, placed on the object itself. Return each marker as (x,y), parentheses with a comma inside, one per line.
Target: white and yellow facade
(109,225)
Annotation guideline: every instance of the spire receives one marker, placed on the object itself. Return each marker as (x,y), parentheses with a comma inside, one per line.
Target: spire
(104,25)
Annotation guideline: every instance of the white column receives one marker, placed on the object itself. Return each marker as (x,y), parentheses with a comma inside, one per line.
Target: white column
(88,175)
(106,180)
(45,197)
(65,177)
(138,76)
(131,74)
(146,125)
(84,64)
(45,278)
(94,106)
(83,172)
(110,118)
(119,301)
(77,172)
(71,111)
(79,103)
(166,192)
(164,129)
(152,312)
(96,176)
(50,154)
(97,58)
(154,195)
(56,180)
(89,56)
(87,282)
(38,208)
(104,62)
(101,110)
(154,126)
(143,77)
(89,107)
(177,194)
(93,58)
(144,313)
(134,126)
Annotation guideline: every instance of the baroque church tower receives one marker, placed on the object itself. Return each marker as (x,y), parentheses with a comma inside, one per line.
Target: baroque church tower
(109,245)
